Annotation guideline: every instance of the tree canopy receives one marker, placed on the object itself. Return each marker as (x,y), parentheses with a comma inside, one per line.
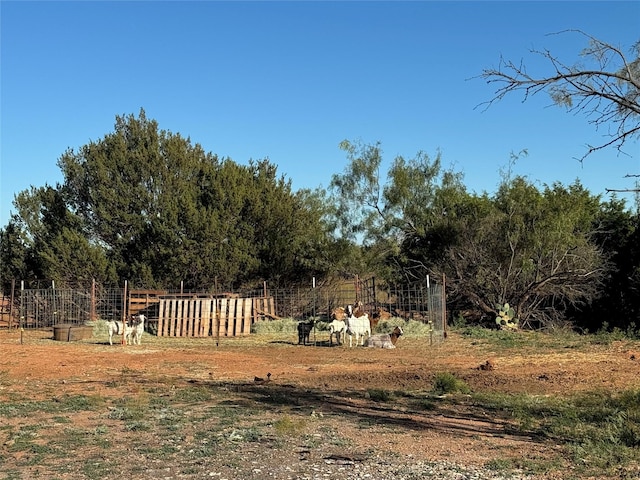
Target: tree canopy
(147,205)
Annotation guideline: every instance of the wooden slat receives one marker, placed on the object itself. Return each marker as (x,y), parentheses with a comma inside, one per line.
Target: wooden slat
(205,319)
(173,307)
(231,319)
(195,317)
(224,316)
(247,320)
(180,326)
(160,319)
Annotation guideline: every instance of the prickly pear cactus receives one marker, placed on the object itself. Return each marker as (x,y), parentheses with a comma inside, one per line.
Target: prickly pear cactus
(506,317)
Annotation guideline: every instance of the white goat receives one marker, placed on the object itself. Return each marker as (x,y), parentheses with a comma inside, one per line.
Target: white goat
(133,329)
(385,340)
(336,327)
(115,327)
(137,328)
(357,326)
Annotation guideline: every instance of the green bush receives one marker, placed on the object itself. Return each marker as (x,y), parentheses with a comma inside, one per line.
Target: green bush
(284,325)
(444,383)
(379,395)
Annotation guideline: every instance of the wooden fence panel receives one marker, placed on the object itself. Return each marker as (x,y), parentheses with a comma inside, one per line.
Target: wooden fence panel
(203,317)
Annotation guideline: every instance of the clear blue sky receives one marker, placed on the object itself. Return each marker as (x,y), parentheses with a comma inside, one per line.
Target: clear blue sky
(289,80)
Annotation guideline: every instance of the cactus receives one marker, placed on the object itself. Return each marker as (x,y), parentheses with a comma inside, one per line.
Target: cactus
(506,317)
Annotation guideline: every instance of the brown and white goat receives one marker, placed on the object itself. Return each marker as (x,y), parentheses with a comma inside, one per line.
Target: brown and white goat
(385,340)
(337,328)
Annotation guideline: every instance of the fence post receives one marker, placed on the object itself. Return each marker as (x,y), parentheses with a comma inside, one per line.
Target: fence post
(314,311)
(444,307)
(21,306)
(13,291)
(93,300)
(124,313)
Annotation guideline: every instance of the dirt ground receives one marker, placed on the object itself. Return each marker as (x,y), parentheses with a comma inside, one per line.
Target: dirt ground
(340,378)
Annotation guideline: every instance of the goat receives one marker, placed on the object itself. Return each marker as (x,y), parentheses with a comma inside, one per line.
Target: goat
(338,313)
(133,329)
(379,314)
(137,323)
(357,326)
(304,329)
(385,340)
(115,327)
(336,327)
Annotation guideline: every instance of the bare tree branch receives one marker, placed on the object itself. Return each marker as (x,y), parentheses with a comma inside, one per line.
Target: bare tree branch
(608,94)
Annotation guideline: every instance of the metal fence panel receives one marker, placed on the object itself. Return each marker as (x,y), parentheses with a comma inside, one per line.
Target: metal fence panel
(45,307)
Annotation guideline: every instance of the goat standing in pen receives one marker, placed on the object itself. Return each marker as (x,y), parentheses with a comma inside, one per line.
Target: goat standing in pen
(385,340)
(304,330)
(132,329)
(336,328)
(137,323)
(358,324)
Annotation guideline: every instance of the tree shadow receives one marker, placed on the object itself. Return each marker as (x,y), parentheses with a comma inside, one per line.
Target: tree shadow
(404,413)
(319,343)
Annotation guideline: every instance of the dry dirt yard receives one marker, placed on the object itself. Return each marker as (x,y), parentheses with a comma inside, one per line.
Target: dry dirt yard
(190,409)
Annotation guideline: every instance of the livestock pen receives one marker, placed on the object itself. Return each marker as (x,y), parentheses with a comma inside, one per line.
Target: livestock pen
(208,312)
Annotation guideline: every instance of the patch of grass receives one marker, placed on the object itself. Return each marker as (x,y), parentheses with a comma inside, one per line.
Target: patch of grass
(251,434)
(500,464)
(140,426)
(132,409)
(59,419)
(600,429)
(12,474)
(63,404)
(425,404)
(379,395)
(446,383)
(193,394)
(283,325)
(410,328)
(287,426)
(496,338)
(96,468)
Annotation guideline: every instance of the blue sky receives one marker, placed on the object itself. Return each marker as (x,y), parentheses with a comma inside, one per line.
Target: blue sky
(289,80)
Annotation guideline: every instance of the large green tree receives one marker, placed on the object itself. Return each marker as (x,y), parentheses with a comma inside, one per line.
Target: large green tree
(525,247)
(617,233)
(45,240)
(149,206)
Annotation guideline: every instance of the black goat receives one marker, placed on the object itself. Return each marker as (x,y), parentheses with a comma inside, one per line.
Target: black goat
(304,329)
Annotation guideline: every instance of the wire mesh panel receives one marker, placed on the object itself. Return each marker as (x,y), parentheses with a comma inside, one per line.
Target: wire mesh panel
(421,301)
(192,314)
(41,308)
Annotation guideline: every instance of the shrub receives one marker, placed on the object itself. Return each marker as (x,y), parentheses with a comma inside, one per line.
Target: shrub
(379,395)
(445,382)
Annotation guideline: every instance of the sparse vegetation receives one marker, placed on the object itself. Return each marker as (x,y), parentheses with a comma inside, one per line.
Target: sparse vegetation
(445,383)
(183,415)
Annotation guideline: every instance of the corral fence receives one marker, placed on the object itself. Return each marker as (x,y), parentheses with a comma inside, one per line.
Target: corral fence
(179,313)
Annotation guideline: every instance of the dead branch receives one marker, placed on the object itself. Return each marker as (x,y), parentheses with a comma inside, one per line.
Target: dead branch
(608,97)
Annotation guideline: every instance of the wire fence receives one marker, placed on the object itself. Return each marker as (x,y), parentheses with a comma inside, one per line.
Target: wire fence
(37,308)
